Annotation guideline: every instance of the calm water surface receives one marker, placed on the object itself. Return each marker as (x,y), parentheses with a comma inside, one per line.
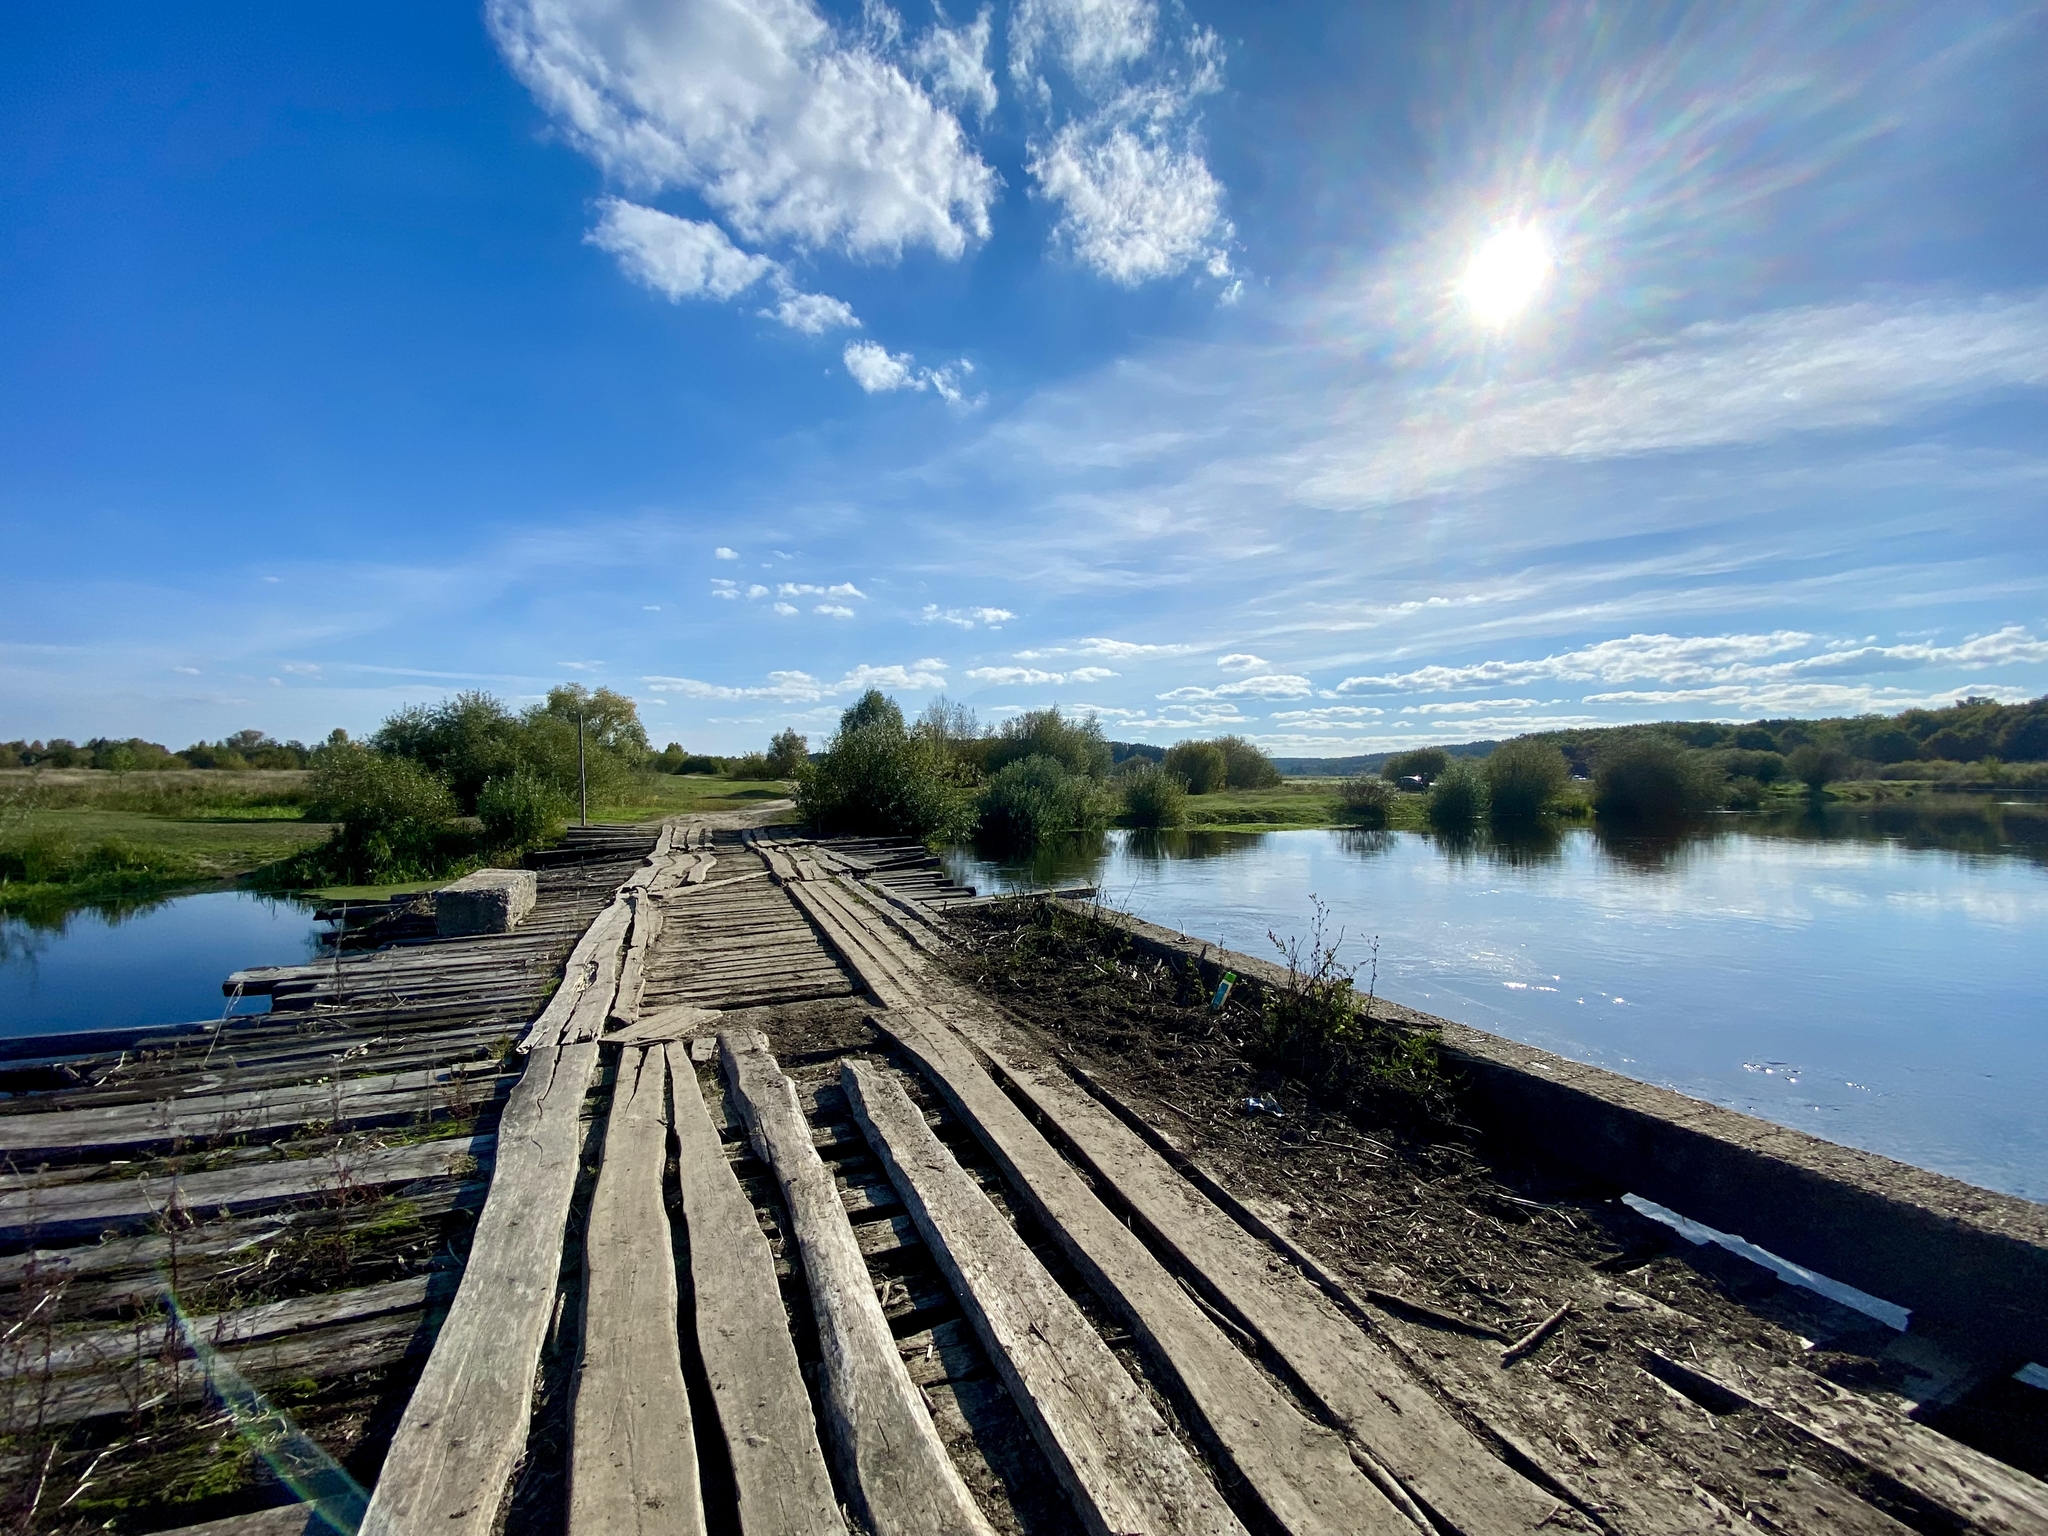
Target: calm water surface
(161,965)
(1876,979)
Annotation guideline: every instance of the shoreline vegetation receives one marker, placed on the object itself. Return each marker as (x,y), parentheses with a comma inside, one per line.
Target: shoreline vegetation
(466,783)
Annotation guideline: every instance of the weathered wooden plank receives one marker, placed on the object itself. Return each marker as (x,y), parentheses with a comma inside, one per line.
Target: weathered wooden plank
(283,1520)
(1109,1446)
(54,1213)
(580,972)
(1299,1470)
(1967,1483)
(647,920)
(197,1117)
(764,1411)
(1358,1384)
(633,1457)
(465,1426)
(891,1457)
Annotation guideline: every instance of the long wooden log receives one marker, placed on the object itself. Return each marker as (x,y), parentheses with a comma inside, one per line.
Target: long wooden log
(1108,1445)
(464,1428)
(633,1458)
(764,1411)
(890,1454)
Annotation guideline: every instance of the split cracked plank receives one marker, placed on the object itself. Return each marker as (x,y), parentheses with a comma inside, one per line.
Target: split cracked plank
(764,1410)
(1966,1483)
(633,1459)
(1111,1449)
(465,1426)
(647,921)
(56,1212)
(1300,1471)
(592,965)
(1358,1383)
(891,1458)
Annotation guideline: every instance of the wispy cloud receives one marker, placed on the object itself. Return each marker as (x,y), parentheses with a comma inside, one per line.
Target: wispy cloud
(1271,685)
(802,688)
(1120,650)
(879,371)
(966,618)
(1036,675)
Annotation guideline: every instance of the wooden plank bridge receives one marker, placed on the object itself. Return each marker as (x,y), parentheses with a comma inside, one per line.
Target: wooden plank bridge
(709,1200)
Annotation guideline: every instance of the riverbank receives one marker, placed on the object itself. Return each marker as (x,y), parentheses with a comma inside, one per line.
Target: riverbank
(73,839)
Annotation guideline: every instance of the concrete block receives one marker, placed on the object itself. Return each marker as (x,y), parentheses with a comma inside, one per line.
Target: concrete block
(489,901)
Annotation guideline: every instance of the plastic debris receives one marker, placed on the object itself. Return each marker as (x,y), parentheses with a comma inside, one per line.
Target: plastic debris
(1264,1104)
(1222,993)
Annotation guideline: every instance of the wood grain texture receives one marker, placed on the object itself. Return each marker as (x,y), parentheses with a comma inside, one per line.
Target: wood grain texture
(1299,1470)
(757,1385)
(1358,1383)
(633,1455)
(1122,1467)
(465,1427)
(891,1458)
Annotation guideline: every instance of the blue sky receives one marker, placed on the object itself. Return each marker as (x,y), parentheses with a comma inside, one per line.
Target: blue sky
(1337,375)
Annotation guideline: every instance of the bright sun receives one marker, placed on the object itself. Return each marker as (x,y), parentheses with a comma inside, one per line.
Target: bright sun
(1505,274)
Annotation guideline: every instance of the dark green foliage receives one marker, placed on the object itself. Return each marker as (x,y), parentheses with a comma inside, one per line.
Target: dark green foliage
(1366,801)
(1200,765)
(1122,752)
(1424,763)
(471,738)
(611,721)
(1817,767)
(391,814)
(876,779)
(1153,797)
(1246,767)
(521,810)
(1457,800)
(1651,778)
(1036,798)
(787,755)
(1523,779)
(673,759)
(755,767)
(1076,745)
(1764,767)
(1888,744)
(465,741)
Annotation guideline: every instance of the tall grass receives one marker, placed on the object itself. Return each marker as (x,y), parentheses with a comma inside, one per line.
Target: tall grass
(1651,779)
(1153,797)
(1367,802)
(1524,778)
(1036,798)
(1457,800)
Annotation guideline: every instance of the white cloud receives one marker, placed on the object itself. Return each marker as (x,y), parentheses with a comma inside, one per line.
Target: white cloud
(966,618)
(1120,650)
(756,591)
(1036,676)
(188,671)
(1330,714)
(834,610)
(953,60)
(787,129)
(1473,706)
(1270,685)
(785,608)
(844,589)
(681,258)
(303,668)
(812,313)
(1745,701)
(1090,38)
(1833,367)
(793,687)
(1242,661)
(725,589)
(1713,660)
(650,607)
(723,553)
(1133,205)
(800,589)
(879,371)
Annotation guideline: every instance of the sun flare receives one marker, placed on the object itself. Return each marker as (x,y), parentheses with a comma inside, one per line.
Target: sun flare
(1505,274)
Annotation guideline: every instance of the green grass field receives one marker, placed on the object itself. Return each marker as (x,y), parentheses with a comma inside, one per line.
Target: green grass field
(1294,804)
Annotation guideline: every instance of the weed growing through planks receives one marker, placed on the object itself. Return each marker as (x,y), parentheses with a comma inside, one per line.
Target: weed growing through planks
(1318,1027)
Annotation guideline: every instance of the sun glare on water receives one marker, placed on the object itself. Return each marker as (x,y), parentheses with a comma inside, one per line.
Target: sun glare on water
(1505,275)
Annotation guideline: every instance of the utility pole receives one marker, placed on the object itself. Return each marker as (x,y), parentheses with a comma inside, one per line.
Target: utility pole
(582,782)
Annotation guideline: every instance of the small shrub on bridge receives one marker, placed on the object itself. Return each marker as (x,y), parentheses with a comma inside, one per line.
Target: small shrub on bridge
(521,810)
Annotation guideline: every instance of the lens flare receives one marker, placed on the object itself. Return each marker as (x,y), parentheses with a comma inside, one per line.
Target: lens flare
(1506,274)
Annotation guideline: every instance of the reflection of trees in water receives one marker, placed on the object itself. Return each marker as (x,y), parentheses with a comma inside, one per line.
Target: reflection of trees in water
(21,943)
(1366,843)
(54,916)
(1656,851)
(1950,824)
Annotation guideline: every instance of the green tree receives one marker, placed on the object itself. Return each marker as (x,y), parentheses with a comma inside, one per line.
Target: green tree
(788,755)
(876,779)
(1076,745)
(611,721)
(1152,796)
(1651,778)
(1423,763)
(390,813)
(1200,765)
(521,810)
(1817,767)
(1523,778)
(1457,800)
(1245,766)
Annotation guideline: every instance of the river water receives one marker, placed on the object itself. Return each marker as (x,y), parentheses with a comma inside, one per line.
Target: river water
(1878,979)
